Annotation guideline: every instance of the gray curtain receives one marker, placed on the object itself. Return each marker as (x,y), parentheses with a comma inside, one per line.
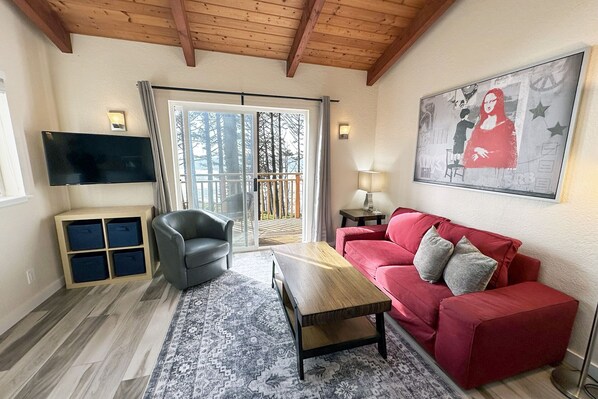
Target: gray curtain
(322,222)
(162,200)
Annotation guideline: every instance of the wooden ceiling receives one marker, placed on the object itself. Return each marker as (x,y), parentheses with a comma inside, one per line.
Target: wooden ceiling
(368,35)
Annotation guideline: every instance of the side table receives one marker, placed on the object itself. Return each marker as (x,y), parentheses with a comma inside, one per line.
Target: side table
(360,216)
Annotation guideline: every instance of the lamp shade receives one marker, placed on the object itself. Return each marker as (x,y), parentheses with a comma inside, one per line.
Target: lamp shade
(370,181)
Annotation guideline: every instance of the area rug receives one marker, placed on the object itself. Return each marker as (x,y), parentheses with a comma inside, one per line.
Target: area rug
(229,339)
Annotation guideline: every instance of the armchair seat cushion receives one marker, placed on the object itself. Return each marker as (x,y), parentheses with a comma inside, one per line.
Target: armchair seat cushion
(199,251)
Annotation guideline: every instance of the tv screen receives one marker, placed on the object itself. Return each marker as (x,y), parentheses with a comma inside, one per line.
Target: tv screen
(79,158)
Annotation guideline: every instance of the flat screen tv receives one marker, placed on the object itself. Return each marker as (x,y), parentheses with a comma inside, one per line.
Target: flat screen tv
(80,158)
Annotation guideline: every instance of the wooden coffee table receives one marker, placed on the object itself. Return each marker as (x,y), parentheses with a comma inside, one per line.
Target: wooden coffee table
(326,300)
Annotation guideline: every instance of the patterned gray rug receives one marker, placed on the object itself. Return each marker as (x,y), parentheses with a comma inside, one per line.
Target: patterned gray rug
(229,339)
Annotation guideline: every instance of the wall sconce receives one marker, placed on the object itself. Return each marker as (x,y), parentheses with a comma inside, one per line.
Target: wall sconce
(343,131)
(117,121)
(371,182)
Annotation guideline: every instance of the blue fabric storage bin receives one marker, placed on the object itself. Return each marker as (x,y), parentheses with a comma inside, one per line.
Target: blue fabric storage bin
(124,232)
(127,263)
(89,267)
(85,234)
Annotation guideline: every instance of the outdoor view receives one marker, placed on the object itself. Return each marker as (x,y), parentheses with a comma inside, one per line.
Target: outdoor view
(216,156)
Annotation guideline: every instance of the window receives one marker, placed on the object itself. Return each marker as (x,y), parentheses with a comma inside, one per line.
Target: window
(11,179)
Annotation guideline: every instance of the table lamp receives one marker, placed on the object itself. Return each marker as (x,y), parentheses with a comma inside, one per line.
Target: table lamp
(370,182)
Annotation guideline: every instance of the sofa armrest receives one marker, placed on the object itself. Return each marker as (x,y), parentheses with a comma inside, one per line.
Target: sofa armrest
(344,234)
(490,335)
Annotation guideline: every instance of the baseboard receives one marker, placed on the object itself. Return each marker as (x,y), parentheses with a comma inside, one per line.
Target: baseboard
(17,314)
(573,359)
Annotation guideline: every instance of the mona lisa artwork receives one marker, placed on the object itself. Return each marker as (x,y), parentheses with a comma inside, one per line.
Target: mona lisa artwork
(508,134)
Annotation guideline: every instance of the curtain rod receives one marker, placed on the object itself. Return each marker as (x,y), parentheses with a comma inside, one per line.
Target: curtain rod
(239,93)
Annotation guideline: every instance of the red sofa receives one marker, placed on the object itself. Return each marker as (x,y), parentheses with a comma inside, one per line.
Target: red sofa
(516,324)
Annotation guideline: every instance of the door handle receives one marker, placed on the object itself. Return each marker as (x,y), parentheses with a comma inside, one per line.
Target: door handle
(255,184)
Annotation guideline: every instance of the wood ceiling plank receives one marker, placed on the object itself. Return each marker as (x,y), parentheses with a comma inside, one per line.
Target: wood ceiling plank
(241,15)
(247,5)
(240,25)
(122,6)
(41,14)
(346,41)
(344,49)
(366,15)
(331,55)
(88,15)
(354,34)
(182,26)
(309,19)
(128,35)
(239,34)
(425,19)
(358,24)
(107,24)
(381,6)
(335,63)
(224,45)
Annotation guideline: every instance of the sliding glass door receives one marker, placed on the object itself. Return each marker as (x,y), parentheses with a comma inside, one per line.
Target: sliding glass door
(217,166)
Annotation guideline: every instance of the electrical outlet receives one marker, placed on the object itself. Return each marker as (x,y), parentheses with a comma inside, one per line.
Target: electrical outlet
(30,276)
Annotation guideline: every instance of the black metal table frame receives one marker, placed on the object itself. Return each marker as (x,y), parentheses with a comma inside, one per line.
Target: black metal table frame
(295,327)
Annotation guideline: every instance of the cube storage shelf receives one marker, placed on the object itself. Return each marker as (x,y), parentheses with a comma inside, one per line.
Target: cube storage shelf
(106,245)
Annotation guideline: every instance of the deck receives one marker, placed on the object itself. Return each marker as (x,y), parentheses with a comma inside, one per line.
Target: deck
(272,232)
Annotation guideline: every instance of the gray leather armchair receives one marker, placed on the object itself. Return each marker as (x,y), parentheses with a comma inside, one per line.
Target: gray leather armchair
(194,246)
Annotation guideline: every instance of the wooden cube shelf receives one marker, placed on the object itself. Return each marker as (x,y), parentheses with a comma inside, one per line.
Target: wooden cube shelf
(105,215)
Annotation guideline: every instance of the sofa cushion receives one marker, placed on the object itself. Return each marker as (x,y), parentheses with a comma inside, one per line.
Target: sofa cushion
(407,229)
(468,270)
(371,254)
(500,248)
(420,297)
(400,210)
(432,255)
(199,251)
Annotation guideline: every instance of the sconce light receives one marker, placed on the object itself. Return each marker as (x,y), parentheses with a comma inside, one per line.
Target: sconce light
(117,121)
(371,182)
(343,131)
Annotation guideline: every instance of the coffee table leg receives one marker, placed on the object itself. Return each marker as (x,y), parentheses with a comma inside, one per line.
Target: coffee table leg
(299,345)
(273,266)
(382,332)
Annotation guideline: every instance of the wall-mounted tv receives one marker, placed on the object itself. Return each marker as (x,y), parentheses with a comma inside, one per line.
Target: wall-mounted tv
(81,158)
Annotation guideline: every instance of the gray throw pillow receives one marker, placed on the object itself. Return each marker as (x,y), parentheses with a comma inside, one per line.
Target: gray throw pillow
(432,255)
(468,270)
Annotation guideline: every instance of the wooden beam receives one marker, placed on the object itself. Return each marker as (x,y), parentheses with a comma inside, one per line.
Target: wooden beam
(309,18)
(421,23)
(182,26)
(41,14)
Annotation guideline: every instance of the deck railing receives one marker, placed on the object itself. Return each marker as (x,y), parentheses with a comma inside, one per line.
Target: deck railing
(278,194)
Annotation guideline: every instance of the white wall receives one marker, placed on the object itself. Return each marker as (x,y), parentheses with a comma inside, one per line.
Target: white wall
(27,233)
(102,73)
(480,38)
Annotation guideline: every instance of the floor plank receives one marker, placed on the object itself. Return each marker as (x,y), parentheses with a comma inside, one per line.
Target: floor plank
(100,343)
(29,363)
(129,334)
(156,288)
(146,355)
(19,347)
(75,381)
(131,389)
(19,329)
(48,376)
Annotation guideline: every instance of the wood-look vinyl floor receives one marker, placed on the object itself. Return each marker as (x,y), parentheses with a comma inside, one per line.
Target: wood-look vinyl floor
(103,342)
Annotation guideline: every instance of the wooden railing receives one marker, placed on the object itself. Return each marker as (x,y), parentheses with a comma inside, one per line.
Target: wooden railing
(278,194)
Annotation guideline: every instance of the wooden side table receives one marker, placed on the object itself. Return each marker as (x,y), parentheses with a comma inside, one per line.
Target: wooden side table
(360,216)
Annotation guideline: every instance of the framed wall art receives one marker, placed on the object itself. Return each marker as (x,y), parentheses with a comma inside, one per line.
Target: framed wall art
(508,134)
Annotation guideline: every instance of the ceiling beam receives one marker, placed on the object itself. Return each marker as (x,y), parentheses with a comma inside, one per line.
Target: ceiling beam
(182,26)
(41,14)
(309,18)
(420,24)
